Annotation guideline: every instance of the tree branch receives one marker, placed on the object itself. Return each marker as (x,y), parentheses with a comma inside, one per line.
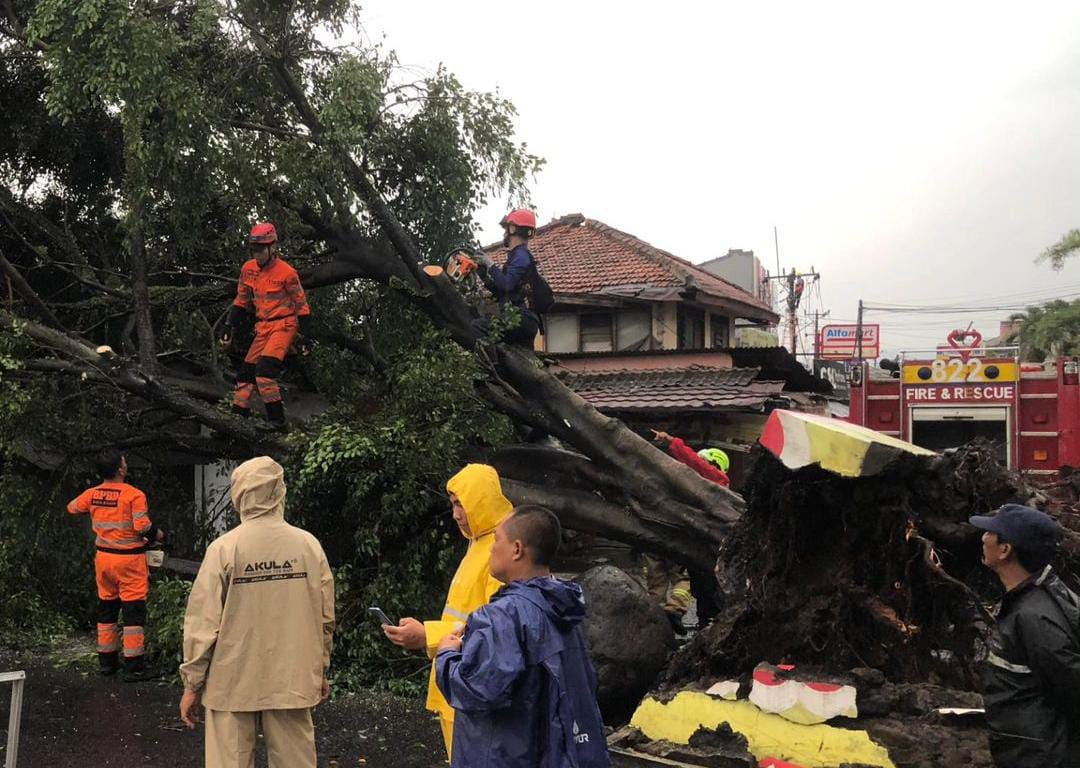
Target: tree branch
(51,231)
(39,307)
(132,379)
(1056,254)
(16,26)
(199,388)
(273,130)
(586,512)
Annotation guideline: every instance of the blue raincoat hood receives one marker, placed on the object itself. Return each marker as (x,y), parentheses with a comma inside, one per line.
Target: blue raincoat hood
(561,601)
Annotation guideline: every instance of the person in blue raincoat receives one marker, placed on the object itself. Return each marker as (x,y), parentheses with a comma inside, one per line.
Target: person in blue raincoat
(518,675)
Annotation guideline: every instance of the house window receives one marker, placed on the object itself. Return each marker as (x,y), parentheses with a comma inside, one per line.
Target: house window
(720,337)
(634,330)
(597,332)
(561,333)
(691,328)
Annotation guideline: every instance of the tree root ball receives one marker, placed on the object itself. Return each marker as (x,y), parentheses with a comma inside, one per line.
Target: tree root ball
(839,573)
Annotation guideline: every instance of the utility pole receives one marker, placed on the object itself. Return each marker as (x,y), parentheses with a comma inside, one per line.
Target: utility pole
(818,316)
(816,332)
(795,285)
(858,334)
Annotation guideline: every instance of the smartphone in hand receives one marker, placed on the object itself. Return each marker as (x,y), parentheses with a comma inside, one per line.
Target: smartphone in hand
(381,617)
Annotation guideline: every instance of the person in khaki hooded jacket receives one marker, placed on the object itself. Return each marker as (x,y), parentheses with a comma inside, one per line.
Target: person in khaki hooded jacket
(258,630)
(478,506)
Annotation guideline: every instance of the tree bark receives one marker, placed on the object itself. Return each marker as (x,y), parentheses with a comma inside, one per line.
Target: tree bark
(144,325)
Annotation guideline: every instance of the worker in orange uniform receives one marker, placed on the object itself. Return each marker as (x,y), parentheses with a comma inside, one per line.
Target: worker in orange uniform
(271,289)
(123,528)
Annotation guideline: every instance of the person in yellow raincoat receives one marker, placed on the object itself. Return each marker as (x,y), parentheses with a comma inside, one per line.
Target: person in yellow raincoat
(478,506)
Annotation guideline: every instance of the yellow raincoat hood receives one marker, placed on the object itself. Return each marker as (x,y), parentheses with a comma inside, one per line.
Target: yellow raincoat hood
(258,489)
(477,488)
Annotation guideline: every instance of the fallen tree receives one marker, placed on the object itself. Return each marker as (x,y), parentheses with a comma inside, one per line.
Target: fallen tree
(325,126)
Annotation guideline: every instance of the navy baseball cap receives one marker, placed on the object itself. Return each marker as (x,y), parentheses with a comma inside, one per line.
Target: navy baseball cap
(1021,526)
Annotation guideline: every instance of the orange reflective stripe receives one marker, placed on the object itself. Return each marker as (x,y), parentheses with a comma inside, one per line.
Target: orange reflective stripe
(243,295)
(243,393)
(271,295)
(268,389)
(108,638)
(133,641)
(110,525)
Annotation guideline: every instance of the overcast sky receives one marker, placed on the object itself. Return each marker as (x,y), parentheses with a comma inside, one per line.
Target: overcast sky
(917,154)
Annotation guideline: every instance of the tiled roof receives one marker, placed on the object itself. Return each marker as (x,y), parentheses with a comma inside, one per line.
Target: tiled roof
(685,389)
(580,256)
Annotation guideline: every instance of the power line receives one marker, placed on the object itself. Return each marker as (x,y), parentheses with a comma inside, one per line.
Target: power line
(946,310)
(980,308)
(1033,293)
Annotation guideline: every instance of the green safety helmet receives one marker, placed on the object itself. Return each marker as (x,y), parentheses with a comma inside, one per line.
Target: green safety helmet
(715,456)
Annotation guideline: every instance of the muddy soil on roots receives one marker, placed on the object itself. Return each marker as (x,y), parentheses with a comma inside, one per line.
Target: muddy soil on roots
(73,718)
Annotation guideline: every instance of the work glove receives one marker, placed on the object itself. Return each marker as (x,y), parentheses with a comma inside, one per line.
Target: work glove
(232,321)
(483,259)
(303,340)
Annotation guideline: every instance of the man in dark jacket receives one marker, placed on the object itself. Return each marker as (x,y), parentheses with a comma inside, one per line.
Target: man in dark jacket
(520,681)
(510,284)
(1032,672)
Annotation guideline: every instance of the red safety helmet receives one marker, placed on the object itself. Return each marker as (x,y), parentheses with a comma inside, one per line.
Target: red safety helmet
(263,233)
(520,217)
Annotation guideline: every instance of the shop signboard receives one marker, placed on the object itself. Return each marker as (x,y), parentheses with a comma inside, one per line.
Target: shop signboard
(840,342)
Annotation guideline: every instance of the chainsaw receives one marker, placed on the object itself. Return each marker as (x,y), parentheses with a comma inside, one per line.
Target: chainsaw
(461,262)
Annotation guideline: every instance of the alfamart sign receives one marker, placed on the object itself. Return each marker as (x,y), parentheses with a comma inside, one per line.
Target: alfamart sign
(840,342)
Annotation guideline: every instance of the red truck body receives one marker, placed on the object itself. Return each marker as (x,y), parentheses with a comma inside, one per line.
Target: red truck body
(944,400)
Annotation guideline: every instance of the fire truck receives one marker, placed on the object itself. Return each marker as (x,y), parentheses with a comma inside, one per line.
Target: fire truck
(955,394)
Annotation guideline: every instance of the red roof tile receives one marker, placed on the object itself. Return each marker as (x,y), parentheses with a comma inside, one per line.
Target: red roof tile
(580,256)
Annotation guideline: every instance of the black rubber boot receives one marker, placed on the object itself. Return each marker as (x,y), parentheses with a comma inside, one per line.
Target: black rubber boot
(676,621)
(275,413)
(136,670)
(108,663)
(243,413)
